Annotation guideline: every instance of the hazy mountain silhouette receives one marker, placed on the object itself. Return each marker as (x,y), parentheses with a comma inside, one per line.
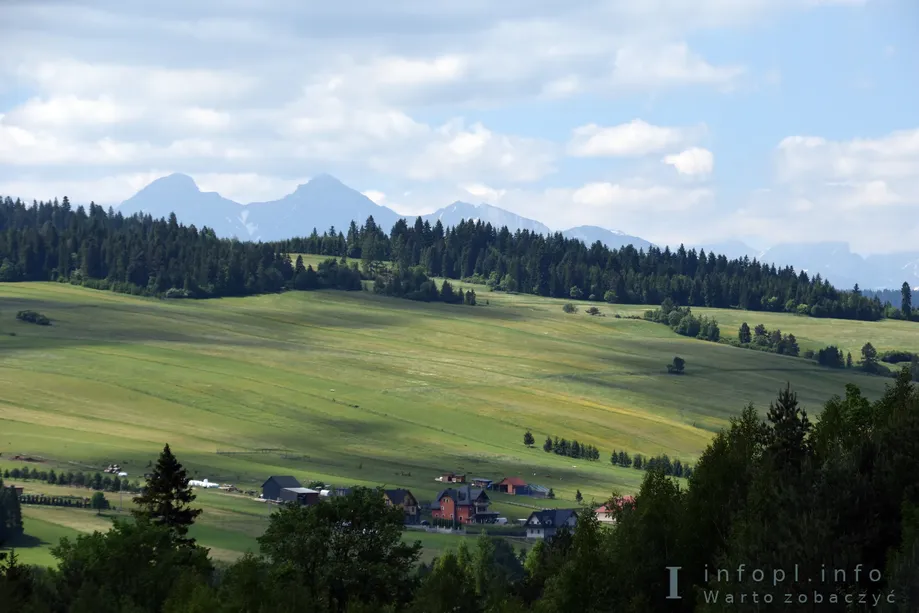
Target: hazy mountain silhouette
(325,201)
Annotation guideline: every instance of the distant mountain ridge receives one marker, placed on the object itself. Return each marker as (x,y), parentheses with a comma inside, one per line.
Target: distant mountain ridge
(325,201)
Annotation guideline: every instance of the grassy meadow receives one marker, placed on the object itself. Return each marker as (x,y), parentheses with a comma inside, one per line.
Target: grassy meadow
(356,389)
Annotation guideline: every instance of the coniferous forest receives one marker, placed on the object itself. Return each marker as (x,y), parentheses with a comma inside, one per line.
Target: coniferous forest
(144,256)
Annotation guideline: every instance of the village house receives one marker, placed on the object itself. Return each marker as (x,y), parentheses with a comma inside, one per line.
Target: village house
(404,500)
(464,505)
(451,478)
(300,495)
(271,489)
(485,484)
(607,515)
(544,524)
(515,486)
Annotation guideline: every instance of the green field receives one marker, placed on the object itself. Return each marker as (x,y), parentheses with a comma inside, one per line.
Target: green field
(359,389)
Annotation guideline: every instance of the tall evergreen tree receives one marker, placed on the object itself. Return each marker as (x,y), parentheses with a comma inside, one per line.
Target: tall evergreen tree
(906,301)
(166,498)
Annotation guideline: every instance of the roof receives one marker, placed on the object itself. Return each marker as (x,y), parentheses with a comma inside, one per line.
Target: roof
(515,481)
(301,490)
(283,482)
(552,518)
(481,479)
(539,488)
(462,496)
(398,496)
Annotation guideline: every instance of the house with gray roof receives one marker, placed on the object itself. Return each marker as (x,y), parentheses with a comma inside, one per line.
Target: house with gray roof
(271,489)
(544,524)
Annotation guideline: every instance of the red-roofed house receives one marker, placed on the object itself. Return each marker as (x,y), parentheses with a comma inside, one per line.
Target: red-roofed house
(515,486)
(607,514)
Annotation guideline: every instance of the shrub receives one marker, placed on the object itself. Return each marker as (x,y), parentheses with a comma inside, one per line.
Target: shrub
(593,311)
(677,366)
(33,317)
(570,308)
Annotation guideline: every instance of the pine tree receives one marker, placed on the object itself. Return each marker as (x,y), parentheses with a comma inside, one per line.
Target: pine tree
(906,304)
(547,446)
(743,335)
(528,439)
(166,497)
(578,497)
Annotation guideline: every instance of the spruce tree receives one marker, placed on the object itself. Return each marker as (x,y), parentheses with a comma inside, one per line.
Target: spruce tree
(528,439)
(166,498)
(906,303)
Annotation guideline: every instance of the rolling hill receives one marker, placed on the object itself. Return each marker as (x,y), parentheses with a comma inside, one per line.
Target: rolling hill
(354,388)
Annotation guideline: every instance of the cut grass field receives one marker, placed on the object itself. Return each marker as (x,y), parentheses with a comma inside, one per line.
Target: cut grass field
(361,389)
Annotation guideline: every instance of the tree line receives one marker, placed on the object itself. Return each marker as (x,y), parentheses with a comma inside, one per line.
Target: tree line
(905,297)
(93,481)
(827,513)
(558,267)
(683,322)
(671,468)
(145,256)
(571,449)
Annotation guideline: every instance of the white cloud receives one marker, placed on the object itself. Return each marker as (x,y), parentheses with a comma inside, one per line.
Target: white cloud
(894,156)
(459,153)
(378,197)
(246,187)
(668,65)
(635,138)
(693,161)
(239,93)
(485,193)
(863,190)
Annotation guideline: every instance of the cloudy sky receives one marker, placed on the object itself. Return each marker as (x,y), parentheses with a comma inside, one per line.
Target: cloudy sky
(675,120)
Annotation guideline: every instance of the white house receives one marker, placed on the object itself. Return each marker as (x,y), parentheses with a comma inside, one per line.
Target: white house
(544,524)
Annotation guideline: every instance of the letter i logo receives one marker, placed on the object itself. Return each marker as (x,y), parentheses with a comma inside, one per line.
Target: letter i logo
(674,582)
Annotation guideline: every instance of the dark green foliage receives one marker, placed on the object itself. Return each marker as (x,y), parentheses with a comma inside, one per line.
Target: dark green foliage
(593,311)
(33,317)
(869,361)
(897,356)
(412,283)
(10,514)
(104,250)
(528,439)
(166,498)
(683,322)
(906,301)
(98,502)
(677,366)
(134,567)
(771,341)
(831,356)
(743,334)
(572,449)
(346,550)
(570,308)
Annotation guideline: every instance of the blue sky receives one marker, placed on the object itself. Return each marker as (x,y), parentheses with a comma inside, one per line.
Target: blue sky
(679,121)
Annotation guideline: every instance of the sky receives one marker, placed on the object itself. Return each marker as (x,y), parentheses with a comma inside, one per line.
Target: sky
(691,121)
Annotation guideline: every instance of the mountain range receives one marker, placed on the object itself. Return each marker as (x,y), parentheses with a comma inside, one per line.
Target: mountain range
(325,201)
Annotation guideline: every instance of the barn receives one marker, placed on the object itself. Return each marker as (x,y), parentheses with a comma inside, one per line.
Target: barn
(271,489)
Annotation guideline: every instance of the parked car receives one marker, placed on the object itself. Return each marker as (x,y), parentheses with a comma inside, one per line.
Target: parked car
(425,522)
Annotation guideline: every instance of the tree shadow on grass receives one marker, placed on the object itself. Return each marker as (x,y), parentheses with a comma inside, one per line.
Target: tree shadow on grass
(25,541)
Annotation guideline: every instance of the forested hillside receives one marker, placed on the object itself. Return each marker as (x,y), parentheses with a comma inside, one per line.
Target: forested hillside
(49,241)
